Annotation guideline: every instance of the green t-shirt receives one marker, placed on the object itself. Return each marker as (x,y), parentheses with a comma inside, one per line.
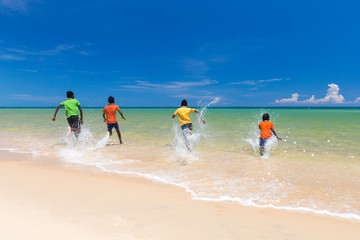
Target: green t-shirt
(71,107)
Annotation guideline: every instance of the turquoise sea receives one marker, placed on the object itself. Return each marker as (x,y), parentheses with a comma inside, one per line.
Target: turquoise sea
(315,168)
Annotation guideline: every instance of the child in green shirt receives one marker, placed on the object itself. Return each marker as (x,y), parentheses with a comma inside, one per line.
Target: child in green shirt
(72,109)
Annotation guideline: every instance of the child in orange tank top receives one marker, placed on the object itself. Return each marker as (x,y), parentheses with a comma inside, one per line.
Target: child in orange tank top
(266,129)
(109,115)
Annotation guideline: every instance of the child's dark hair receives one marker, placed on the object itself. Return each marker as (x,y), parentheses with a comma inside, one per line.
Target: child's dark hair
(69,94)
(111,99)
(266,116)
(184,103)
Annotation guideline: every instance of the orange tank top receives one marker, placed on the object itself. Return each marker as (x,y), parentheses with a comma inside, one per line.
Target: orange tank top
(265,128)
(110,111)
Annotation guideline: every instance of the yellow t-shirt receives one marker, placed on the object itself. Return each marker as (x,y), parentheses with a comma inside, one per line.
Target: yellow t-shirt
(184,114)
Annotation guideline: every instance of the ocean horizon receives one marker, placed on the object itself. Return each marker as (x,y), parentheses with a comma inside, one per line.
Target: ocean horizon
(211,107)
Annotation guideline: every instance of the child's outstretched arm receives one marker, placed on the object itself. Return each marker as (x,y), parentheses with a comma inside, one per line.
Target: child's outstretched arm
(121,115)
(81,115)
(56,111)
(260,129)
(201,118)
(272,130)
(104,117)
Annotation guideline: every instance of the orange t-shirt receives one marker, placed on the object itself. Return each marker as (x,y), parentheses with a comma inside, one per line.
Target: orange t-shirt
(110,111)
(265,128)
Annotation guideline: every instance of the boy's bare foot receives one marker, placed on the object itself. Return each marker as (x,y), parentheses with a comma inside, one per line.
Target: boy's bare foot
(183,162)
(69,131)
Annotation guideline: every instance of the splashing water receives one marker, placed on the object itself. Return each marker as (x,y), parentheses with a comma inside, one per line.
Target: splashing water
(215,100)
(102,143)
(202,128)
(271,144)
(184,146)
(83,149)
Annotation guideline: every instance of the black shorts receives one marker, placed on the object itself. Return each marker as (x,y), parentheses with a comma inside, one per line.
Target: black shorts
(74,121)
(112,125)
(186,126)
(263,142)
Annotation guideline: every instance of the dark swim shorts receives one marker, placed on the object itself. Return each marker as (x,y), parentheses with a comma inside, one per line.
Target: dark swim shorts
(263,141)
(186,126)
(112,125)
(74,121)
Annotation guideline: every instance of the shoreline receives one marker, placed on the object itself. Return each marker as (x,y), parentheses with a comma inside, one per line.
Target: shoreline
(57,162)
(42,201)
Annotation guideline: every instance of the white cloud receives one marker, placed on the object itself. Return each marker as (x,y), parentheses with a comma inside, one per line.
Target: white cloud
(248,82)
(294,99)
(218,59)
(260,82)
(15,5)
(30,70)
(11,57)
(171,85)
(203,82)
(357,100)
(50,52)
(332,96)
(310,100)
(83,53)
(83,72)
(16,54)
(196,67)
(134,87)
(272,80)
(19,6)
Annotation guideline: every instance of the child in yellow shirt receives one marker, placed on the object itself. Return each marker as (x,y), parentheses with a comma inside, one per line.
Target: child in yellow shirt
(185,121)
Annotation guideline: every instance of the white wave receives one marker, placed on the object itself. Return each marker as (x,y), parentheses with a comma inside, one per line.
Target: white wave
(248,202)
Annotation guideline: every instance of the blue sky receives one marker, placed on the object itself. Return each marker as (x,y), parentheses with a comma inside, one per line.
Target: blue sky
(155,53)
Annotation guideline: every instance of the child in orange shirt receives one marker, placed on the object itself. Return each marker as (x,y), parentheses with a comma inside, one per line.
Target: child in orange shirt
(110,119)
(266,128)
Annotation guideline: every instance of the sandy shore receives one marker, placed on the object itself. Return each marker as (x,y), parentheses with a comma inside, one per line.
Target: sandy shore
(47,202)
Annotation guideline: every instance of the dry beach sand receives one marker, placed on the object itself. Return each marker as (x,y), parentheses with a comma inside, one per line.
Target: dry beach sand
(46,201)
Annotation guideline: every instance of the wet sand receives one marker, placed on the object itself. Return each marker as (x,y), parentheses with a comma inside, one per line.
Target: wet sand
(45,201)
